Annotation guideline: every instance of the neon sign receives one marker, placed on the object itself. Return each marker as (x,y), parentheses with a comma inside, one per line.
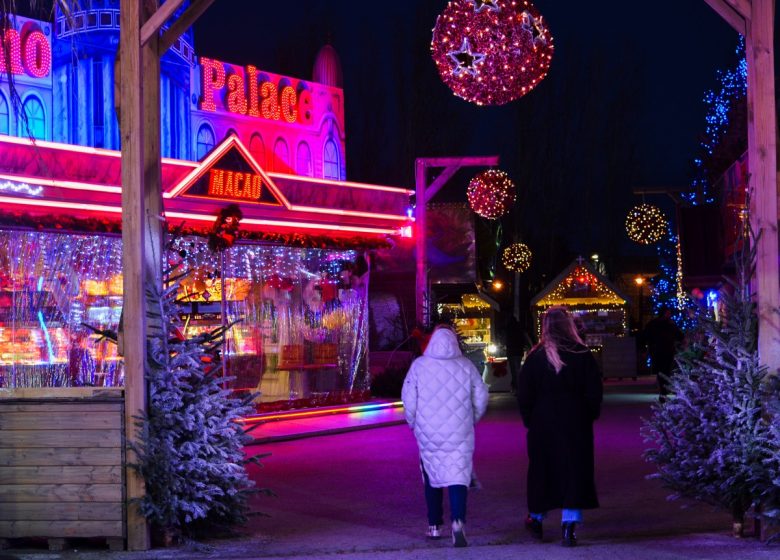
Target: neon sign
(26,53)
(243,94)
(235,184)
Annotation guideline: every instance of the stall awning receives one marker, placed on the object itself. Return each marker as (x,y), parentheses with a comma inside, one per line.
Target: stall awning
(52,178)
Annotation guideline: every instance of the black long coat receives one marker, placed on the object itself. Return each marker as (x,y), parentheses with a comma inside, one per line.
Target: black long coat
(559,410)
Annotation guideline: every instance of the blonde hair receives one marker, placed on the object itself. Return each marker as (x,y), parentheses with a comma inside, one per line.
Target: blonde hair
(559,333)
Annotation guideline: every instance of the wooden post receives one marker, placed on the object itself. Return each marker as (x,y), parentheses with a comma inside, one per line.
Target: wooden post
(762,163)
(424,194)
(139,89)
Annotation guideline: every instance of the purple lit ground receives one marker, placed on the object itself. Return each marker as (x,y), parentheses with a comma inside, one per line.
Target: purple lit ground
(361,492)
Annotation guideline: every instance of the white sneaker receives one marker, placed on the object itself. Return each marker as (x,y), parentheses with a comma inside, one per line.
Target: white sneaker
(434,532)
(458,534)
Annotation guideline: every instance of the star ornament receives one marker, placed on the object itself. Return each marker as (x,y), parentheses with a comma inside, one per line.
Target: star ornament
(465,59)
(482,5)
(535,27)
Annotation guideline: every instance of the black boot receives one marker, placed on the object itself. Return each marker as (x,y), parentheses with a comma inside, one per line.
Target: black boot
(568,538)
(534,526)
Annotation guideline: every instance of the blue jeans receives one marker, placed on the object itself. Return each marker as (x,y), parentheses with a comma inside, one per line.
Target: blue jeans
(567,516)
(434,499)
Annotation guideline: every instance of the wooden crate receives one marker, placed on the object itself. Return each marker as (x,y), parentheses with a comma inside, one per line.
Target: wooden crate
(61,464)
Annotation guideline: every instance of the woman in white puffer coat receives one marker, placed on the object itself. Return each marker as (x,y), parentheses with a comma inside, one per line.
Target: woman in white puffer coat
(444,397)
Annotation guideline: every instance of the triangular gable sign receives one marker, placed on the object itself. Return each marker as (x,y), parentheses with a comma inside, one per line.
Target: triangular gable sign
(230,173)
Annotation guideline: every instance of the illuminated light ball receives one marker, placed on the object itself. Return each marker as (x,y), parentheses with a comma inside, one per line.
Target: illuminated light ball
(491,52)
(517,257)
(646,224)
(491,193)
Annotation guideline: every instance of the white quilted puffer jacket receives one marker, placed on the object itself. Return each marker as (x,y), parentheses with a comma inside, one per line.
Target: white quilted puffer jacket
(444,396)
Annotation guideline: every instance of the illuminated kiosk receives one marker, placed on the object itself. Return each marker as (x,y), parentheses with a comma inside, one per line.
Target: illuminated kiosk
(273,145)
(297,280)
(600,310)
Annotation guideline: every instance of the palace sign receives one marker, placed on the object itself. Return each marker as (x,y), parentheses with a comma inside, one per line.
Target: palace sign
(242,92)
(28,52)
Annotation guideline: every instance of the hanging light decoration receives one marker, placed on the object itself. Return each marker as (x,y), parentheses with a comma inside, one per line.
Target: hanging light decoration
(491,193)
(646,224)
(491,52)
(517,257)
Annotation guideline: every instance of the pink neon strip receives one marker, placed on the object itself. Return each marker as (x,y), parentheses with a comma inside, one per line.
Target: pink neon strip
(64,184)
(56,204)
(321,412)
(349,184)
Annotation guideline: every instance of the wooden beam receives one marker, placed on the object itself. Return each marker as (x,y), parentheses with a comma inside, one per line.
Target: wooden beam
(469,161)
(184,22)
(439,182)
(727,10)
(743,7)
(153,25)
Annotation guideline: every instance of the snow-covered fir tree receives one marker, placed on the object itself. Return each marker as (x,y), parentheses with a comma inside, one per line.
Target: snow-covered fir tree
(770,501)
(709,439)
(191,452)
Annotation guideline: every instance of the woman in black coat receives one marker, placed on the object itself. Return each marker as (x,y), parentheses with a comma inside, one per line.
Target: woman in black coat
(559,391)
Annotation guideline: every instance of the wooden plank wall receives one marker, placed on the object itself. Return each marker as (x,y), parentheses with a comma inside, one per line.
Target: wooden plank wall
(61,468)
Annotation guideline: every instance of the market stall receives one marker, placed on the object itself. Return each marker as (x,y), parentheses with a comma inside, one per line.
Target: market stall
(295,280)
(600,311)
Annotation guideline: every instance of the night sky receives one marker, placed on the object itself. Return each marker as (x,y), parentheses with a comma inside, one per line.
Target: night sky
(621,107)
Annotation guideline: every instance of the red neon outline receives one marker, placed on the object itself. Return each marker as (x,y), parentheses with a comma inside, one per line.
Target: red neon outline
(56,204)
(281,223)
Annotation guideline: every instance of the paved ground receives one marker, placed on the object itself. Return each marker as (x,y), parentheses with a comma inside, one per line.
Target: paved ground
(359,495)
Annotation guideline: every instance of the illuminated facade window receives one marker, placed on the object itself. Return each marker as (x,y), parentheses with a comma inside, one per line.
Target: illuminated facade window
(304,160)
(331,162)
(205,141)
(98,121)
(257,149)
(35,126)
(5,116)
(281,156)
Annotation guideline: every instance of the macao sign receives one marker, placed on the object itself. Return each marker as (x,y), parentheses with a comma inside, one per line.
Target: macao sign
(235,185)
(244,95)
(28,52)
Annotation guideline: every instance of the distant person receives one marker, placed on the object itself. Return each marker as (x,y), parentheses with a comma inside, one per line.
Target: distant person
(517,344)
(662,335)
(559,393)
(444,397)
